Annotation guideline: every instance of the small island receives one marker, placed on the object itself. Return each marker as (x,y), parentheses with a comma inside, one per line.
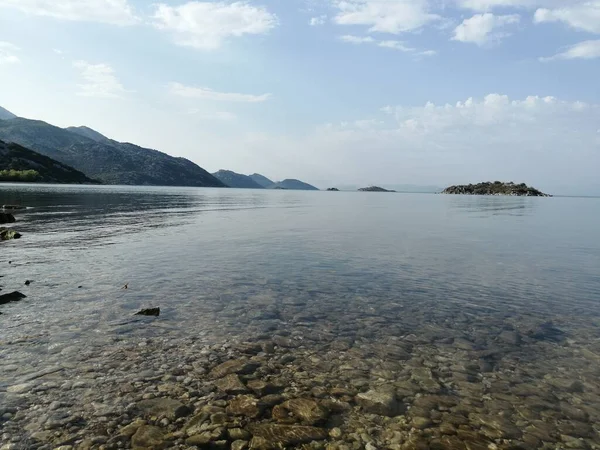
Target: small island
(374,189)
(333,190)
(495,188)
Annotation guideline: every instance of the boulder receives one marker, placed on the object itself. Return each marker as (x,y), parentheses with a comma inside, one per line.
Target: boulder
(155,312)
(12,297)
(245,405)
(6,234)
(6,218)
(231,384)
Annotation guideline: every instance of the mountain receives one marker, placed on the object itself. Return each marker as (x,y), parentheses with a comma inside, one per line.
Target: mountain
(21,164)
(262,180)
(109,161)
(236,180)
(495,188)
(89,133)
(6,114)
(291,184)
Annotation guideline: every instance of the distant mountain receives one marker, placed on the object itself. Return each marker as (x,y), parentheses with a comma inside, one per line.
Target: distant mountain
(291,184)
(89,133)
(21,164)
(6,114)
(108,161)
(236,180)
(262,180)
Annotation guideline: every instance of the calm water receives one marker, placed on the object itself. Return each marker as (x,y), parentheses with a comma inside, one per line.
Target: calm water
(194,252)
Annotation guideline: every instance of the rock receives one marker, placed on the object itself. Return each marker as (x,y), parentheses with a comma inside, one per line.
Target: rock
(421,422)
(163,407)
(267,436)
(302,410)
(12,297)
(6,218)
(148,437)
(245,405)
(547,332)
(6,234)
(239,445)
(380,402)
(155,312)
(237,366)
(13,207)
(131,429)
(231,384)
(206,437)
(510,337)
(238,434)
(262,388)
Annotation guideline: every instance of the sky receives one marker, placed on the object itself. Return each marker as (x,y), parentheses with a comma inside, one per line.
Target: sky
(386,92)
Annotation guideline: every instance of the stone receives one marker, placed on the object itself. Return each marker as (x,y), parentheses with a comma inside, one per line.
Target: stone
(6,234)
(206,437)
(379,402)
(231,384)
(510,337)
(421,422)
(148,437)
(13,207)
(245,405)
(238,434)
(268,436)
(6,218)
(262,388)
(302,410)
(154,312)
(130,430)
(164,407)
(237,366)
(239,445)
(11,297)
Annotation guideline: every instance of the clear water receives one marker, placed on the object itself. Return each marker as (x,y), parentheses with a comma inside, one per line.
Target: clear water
(228,264)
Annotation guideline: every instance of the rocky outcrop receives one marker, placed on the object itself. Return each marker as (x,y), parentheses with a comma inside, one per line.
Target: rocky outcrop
(495,188)
(6,234)
(6,218)
(12,297)
(374,189)
(333,190)
(154,312)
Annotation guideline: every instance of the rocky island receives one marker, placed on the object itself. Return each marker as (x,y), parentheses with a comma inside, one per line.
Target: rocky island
(374,189)
(495,188)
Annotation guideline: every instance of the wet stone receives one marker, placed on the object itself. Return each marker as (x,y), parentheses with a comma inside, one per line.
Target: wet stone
(245,405)
(163,407)
(268,435)
(302,410)
(382,402)
(231,384)
(236,366)
(148,437)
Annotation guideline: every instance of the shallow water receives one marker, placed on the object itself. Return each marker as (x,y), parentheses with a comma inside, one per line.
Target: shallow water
(449,274)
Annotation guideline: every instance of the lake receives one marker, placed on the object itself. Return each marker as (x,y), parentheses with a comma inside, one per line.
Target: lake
(426,321)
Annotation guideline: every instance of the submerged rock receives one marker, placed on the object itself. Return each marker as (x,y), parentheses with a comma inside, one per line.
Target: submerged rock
(382,402)
(155,312)
(231,384)
(267,436)
(6,234)
(245,405)
(239,366)
(148,437)
(6,218)
(303,410)
(12,297)
(163,407)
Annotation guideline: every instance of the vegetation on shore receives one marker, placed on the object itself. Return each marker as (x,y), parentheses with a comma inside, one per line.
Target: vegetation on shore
(495,188)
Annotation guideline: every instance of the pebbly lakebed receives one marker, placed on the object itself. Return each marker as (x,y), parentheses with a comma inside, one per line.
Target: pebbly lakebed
(312,320)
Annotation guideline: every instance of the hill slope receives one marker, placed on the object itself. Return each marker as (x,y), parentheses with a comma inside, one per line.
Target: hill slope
(292,184)
(111,162)
(89,133)
(262,180)
(237,180)
(6,114)
(21,164)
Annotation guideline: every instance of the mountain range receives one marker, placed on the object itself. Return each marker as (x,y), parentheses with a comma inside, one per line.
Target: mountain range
(113,162)
(258,181)
(21,164)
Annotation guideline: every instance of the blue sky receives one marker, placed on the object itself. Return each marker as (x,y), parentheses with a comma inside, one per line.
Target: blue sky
(333,92)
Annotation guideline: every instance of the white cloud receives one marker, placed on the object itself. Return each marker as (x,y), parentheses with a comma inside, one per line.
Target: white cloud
(582,50)
(7,53)
(202,93)
(532,139)
(385,16)
(117,12)
(480,29)
(317,21)
(357,39)
(99,81)
(583,16)
(488,5)
(206,25)
(217,115)
(391,44)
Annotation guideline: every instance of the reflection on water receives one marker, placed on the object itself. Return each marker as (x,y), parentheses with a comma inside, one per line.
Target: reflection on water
(494,302)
